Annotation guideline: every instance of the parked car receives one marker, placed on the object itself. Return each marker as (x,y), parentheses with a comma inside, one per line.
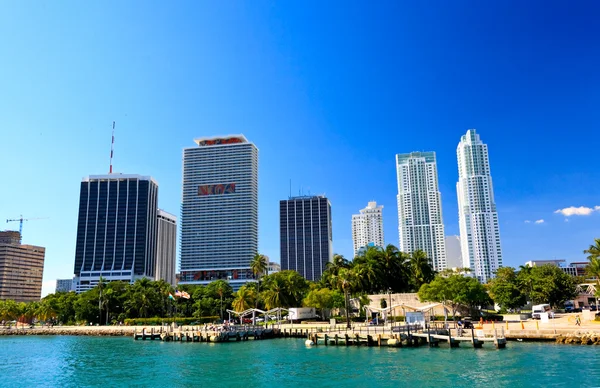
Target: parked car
(467,323)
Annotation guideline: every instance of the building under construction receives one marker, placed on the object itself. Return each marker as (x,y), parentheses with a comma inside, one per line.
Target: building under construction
(21,268)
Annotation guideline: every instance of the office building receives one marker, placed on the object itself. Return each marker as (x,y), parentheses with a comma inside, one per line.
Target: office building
(21,268)
(367,227)
(453,252)
(219,211)
(420,222)
(166,246)
(64,285)
(305,235)
(116,231)
(478,218)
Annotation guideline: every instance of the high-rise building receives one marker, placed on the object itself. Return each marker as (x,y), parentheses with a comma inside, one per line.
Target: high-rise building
(116,231)
(478,218)
(166,246)
(420,222)
(305,235)
(453,252)
(21,268)
(367,227)
(64,285)
(219,211)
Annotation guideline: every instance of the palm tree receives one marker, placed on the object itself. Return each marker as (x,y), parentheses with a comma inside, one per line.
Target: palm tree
(220,289)
(244,299)
(274,295)
(45,311)
(344,281)
(593,268)
(259,266)
(420,269)
(101,285)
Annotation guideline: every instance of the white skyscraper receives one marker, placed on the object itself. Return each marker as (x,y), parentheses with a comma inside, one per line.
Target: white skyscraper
(453,252)
(367,227)
(219,211)
(478,218)
(420,222)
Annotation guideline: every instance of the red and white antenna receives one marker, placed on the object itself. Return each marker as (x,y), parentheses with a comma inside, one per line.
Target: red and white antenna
(112,146)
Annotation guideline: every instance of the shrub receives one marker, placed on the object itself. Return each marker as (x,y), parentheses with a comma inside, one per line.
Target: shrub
(156,321)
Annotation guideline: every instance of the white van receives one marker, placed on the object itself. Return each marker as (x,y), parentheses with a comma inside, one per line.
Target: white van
(541,308)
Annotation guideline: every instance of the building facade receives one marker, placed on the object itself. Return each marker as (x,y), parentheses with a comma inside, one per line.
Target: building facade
(420,222)
(306,237)
(166,247)
(21,269)
(64,285)
(478,217)
(367,227)
(219,211)
(116,230)
(453,252)
(273,267)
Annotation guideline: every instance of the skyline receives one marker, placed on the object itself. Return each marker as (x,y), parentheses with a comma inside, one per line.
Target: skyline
(359,84)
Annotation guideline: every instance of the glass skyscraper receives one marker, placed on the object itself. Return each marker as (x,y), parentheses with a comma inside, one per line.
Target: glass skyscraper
(305,235)
(116,230)
(420,222)
(478,218)
(219,211)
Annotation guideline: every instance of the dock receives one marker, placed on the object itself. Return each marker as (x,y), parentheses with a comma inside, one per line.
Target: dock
(407,335)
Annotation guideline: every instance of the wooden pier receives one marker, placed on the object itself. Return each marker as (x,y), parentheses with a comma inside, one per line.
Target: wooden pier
(407,335)
(396,336)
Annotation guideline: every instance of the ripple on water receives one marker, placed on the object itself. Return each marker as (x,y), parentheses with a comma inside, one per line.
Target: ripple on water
(67,361)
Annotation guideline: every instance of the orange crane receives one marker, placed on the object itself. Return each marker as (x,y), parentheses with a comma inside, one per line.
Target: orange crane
(21,219)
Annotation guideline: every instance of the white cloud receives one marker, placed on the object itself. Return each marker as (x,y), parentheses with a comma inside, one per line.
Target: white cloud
(577,211)
(539,221)
(566,220)
(527,221)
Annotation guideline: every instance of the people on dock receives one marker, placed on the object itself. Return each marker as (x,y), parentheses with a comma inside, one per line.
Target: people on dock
(577,320)
(460,328)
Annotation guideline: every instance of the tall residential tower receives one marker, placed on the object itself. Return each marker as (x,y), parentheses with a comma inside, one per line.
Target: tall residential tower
(478,218)
(367,227)
(219,211)
(305,235)
(420,222)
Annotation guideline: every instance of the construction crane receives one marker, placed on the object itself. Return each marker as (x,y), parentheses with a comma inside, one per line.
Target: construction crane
(21,219)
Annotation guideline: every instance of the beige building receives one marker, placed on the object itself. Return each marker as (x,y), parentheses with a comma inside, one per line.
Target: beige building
(21,268)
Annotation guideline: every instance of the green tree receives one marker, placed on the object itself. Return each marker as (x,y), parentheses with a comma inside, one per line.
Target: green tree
(284,289)
(455,291)
(420,269)
(344,281)
(221,290)
(549,284)
(321,299)
(244,299)
(504,289)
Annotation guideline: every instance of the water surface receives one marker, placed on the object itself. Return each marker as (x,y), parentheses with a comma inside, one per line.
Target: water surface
(69,361)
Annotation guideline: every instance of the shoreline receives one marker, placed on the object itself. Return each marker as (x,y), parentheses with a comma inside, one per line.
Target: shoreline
(556,335)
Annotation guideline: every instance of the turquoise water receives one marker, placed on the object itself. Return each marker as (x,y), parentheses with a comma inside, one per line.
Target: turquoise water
(64,361)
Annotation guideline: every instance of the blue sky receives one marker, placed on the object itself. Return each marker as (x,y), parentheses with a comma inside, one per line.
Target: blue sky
(328,91)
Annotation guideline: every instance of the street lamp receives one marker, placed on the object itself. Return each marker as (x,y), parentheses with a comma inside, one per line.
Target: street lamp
(390,305)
